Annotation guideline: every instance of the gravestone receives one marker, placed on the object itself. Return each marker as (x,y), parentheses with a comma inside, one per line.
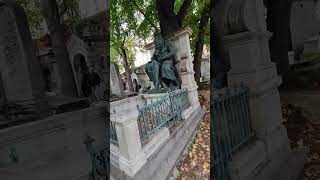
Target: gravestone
(116,83)
(20,75)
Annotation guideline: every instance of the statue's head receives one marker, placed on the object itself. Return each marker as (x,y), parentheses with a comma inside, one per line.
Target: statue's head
(158,40)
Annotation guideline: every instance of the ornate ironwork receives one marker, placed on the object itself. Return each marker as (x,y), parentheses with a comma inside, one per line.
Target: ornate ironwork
(99,159)
(165,112)
(230,127)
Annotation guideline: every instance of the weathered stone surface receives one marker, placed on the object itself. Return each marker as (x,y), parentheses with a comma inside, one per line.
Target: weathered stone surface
(20,75)
(116,83)
(52,148)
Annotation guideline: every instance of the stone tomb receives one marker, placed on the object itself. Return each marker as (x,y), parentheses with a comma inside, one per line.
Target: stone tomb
(20,77)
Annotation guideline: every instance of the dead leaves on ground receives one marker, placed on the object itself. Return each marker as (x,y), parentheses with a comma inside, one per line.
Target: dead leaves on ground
(303,130)
(196,162)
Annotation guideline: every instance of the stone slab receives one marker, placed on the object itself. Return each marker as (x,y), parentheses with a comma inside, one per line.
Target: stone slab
(160,165)
(20,74)
(248,160)
(288,170)
(52,148)
(157,141)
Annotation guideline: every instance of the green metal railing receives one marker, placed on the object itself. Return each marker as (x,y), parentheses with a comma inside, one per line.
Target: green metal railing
(165,112)
(230,127)
(113,134)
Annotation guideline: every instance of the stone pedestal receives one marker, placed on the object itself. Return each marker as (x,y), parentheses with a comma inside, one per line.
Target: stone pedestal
(249,54)
(131,155)
(250,62)
(184,58)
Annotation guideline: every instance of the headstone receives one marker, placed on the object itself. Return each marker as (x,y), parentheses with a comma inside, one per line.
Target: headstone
(116,83)
(205,64)
(21,77)
(143,78)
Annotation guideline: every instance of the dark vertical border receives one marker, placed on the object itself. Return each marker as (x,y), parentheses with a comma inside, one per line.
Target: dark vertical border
(106,25)
(212,54)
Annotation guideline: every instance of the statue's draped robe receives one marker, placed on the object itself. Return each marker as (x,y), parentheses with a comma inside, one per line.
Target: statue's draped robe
(158,71)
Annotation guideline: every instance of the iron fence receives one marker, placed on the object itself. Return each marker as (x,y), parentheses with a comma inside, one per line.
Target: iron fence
(113,134)
(165,112)
(230,127)
(100,160)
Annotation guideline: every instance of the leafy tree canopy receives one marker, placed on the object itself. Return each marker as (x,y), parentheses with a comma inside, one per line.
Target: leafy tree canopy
(68,10)
(140,18)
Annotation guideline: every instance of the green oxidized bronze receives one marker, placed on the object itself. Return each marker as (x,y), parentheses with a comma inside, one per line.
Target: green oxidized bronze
(161,69)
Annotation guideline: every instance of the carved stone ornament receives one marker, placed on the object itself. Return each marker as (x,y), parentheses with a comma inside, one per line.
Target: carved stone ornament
(245,15)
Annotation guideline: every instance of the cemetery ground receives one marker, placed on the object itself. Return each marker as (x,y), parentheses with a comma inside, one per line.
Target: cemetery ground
(195,163)
(301,112)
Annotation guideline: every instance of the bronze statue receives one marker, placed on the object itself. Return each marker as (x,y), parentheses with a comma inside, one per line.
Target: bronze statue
(161,69)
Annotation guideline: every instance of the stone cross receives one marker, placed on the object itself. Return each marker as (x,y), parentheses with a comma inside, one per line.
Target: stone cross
(21,77)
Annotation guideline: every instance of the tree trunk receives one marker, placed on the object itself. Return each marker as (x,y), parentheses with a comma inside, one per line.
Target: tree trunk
(199,44)
(66,81)
(106,31)
(278,22)
(168,20)
(127,69)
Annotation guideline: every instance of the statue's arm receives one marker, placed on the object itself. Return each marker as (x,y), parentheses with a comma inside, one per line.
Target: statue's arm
(169,55)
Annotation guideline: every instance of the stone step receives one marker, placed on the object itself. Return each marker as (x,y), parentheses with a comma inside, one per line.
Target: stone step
(288,170)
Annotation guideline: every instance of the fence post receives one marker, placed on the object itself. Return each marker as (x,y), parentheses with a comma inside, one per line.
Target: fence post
(131,155)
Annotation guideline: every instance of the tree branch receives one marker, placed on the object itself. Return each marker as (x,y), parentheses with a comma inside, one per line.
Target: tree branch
(183,10)
(144,14)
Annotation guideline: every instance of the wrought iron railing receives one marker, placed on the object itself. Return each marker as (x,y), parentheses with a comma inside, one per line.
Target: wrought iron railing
(165,112)
(100,160)
(113,134)
(230,127)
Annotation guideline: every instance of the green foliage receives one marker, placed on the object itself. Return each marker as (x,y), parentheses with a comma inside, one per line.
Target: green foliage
(69,12)
(142,16)
(33,13)
(123,24)
(68,9)
(192,20)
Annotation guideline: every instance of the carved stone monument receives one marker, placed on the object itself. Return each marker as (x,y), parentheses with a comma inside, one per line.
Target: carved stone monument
(20,75)
(246,40)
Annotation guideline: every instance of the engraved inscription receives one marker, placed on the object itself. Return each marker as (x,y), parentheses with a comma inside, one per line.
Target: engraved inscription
(9,41)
